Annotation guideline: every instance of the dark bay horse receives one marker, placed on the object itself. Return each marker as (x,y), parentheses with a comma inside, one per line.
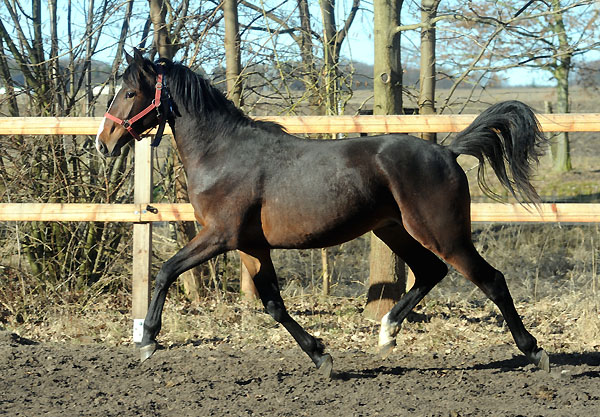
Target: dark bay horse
(254,188)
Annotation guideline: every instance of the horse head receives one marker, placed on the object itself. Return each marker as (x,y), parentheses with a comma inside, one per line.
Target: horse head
(135,108)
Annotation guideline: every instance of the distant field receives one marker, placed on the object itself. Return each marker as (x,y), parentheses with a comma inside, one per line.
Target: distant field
(582,100)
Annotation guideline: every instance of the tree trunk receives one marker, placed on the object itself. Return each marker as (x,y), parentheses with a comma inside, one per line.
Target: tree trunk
(330,60)
(233,68)
(186,231)
(309,73)
(89,94)
(233,72)
(326,276)
(560,148)
(427,70)
(561,154)
(387,69)
(386,281)
(54,65)
(162,39)
(330,84)
(13,108)
(120,48)
(426,101)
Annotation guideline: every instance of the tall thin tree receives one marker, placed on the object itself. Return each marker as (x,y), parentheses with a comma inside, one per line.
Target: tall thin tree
(387,272)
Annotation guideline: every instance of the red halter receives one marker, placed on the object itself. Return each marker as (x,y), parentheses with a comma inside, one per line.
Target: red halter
(127,123)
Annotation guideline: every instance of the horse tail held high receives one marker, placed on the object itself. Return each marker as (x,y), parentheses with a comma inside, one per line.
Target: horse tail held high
(506,135)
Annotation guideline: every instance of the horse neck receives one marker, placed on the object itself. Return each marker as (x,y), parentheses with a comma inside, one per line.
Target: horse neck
(198,137)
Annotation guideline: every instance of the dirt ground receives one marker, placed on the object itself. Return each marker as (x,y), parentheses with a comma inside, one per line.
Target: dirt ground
(213,378)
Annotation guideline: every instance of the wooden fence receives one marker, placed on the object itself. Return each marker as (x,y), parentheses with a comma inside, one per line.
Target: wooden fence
(142,213)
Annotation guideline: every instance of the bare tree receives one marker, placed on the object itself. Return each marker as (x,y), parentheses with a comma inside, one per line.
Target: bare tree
(233,69)
(547,36)
(332,41)
(57,70)
(427,68)
(233,75)
(387,274)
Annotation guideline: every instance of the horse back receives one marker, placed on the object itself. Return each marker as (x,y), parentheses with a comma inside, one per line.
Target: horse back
(320,193)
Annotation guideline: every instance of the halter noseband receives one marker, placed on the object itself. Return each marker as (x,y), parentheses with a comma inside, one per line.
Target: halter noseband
(155,105)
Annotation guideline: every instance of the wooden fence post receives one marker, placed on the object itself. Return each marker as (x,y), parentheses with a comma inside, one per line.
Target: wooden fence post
(142,237)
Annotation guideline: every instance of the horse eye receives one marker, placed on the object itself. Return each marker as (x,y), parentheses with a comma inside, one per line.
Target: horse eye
(130,94)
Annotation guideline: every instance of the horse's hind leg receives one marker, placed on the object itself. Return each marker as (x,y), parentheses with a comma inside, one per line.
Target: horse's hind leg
(470,263)
(428,270)
(260,266)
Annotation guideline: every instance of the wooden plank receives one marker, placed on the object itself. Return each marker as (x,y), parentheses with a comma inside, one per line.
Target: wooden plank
(564,213)
(49,125)
(168,212)
(373,124)
(480,212)
(585,122)
(572,122)
(142,238)
(66,212)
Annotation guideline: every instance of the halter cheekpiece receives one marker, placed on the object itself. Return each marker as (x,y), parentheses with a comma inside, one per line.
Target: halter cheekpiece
(161,97)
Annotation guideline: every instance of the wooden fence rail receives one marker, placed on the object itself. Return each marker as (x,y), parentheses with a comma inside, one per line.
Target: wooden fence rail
(167,212)
(143,216)
(435,123)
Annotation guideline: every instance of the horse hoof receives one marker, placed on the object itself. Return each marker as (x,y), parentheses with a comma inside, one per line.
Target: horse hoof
(386,349)
(543,360)
(325,365)
(147,351)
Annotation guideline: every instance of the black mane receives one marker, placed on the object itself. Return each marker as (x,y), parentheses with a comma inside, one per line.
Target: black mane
(197,95)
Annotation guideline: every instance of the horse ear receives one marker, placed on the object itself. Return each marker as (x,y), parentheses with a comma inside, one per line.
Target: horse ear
(137,55)
(128,58)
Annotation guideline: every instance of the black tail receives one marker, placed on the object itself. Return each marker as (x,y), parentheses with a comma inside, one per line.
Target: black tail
(508,136)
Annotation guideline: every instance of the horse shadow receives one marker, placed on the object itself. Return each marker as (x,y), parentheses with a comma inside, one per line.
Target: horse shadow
(591,359)
(557,359)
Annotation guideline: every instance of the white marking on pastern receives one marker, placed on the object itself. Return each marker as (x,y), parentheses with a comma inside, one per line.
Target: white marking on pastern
(388,331)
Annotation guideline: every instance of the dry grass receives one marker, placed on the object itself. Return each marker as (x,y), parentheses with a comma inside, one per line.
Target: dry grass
(551,271)
(566,324)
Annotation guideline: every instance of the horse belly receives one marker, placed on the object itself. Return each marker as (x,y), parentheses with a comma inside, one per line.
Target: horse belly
(306,220)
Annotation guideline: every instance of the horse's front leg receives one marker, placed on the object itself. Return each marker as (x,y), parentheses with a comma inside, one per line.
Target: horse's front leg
(206,245)
(261,268)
